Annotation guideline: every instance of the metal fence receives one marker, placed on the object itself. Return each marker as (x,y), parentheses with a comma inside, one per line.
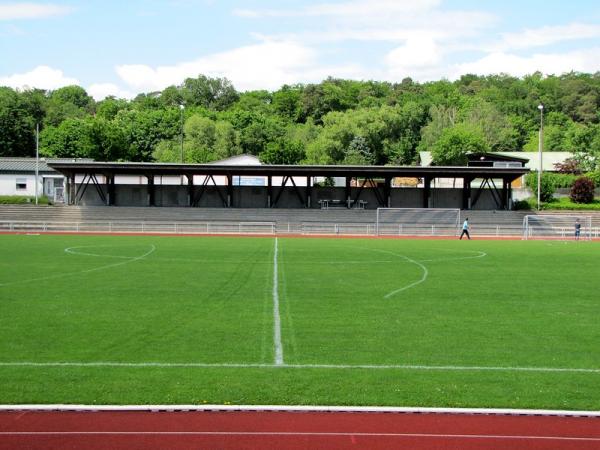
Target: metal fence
(140,227)
(266,228)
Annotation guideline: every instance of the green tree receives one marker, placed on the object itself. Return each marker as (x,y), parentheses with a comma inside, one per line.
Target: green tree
(144,129)
(455,143)
(494,126)
(17,125)
(226,140)
(109,107)
(442,117)
(171,97)
(69,102)
(286,102)
(109,141)
(358,152)
(283,152)
(331,95)
(71,139)
(212,93)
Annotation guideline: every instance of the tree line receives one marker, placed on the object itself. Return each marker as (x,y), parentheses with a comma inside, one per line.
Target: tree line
(336,121)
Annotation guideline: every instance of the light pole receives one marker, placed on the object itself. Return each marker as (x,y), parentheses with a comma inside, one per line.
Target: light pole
(181,108)
(540,148)
(37,159)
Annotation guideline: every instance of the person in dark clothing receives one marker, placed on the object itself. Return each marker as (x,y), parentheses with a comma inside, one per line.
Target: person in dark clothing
(577,229)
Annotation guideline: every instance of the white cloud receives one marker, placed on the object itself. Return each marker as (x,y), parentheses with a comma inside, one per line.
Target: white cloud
(355,8)
(424,33)
(417,53)
(540,37)
(42,77)
(266,65)
(587,60)
(102,90)
(16,11)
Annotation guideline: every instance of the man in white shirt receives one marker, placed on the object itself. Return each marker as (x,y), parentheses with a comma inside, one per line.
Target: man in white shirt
(465,229)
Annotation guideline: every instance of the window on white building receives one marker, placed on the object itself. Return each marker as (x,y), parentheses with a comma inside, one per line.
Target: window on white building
(21,184)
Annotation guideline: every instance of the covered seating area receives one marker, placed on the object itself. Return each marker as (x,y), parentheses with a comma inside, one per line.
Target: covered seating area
(283,186)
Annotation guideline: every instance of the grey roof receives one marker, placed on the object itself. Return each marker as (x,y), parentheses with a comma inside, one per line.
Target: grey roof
(27,165)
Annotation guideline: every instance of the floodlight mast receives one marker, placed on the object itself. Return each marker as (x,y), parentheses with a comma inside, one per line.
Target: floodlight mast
(540,148)
(37,159)
(181,108)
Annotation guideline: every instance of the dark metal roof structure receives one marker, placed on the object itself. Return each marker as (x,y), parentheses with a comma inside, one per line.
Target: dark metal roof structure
(495,157)
(149,169)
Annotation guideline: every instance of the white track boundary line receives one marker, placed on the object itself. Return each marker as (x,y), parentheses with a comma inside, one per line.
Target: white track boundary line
(298,433)
(276,315)
(299,366)
(303,408)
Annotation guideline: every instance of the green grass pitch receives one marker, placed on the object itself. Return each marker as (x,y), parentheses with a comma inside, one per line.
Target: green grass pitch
(193,320)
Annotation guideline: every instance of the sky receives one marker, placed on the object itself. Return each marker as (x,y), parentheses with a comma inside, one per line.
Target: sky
(123,48)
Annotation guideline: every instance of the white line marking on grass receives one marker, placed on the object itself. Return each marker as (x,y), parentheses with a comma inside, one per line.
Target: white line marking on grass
(302,366)
(410,260)
(299,433)
(458,258)
(75,251)
(62,275)
(276,316)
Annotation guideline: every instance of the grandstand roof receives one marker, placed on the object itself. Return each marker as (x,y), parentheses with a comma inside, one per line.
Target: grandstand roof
(130,168)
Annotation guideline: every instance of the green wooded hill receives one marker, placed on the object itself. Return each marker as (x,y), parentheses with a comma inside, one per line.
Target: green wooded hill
(334,122)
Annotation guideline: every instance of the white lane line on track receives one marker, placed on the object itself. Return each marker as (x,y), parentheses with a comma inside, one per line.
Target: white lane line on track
(276,315)
(301,366)
(174,408)
(95,269)
(299,433)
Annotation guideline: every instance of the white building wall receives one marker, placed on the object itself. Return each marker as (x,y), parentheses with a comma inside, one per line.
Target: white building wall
(8,185)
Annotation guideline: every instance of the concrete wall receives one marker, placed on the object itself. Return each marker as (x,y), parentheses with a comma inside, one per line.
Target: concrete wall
(256,197)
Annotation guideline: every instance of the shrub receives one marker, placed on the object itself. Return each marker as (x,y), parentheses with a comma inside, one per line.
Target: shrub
(22,199)
(583,190)
(594,176)
(521,205)
(569,165)
(562,180)
(547,187)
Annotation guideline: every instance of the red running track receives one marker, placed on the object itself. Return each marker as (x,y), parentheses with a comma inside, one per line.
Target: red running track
(292,430)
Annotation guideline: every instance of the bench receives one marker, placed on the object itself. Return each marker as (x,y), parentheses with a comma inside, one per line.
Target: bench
(328,203)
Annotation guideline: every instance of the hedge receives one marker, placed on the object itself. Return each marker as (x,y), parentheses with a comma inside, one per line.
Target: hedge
(22,200)
(563,203)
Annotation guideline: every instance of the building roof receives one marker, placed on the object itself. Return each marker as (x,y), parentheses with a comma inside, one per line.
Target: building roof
(495,157)
(548,159)
(239,160)
(156,169)
(10,165)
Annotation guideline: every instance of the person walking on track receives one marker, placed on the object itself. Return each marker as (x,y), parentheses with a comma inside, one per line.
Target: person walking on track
(465,229)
